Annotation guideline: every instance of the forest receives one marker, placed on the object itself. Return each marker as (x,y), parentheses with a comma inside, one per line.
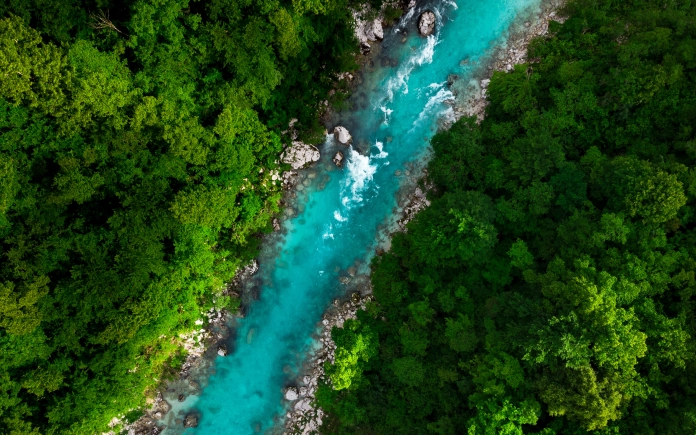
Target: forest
(550,288)
(137,143)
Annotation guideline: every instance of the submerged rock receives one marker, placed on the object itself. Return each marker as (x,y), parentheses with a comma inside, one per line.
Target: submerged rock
(291,394)
(338,159)
(342,135)
(300,155)
(426,23)
(451,79)
(191,420)
(222,350)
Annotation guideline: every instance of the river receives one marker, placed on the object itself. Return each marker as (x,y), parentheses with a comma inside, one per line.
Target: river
(394,111)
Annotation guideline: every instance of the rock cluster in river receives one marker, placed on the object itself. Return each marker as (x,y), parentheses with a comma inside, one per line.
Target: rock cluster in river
(426,23)
(300,155)
(372,30)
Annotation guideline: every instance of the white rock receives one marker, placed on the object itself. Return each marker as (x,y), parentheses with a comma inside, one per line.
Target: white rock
(426,23)
(300,155)
(377,30)
(342,135)
(303,405)
(368,30)
(411,4)
(338,159)
(291,394)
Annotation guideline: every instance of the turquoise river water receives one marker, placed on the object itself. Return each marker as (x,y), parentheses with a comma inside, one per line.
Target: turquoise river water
(394,112)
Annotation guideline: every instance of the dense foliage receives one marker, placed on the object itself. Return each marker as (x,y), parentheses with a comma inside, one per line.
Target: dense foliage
(551,286)
(137,142)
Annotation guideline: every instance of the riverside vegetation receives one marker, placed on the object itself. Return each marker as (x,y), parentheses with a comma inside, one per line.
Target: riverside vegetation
(137,145)
(550,288)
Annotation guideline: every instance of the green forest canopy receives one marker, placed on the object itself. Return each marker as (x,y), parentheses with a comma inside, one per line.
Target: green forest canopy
(550,288)
(137,142)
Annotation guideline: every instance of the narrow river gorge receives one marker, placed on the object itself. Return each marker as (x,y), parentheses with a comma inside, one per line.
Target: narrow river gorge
(341,215)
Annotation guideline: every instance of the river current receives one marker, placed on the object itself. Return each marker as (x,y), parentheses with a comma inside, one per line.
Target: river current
(394,111)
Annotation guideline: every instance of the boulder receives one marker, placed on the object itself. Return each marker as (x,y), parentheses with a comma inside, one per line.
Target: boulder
(371,30)
(342,135)
(377,30)
(191,420)
(426,23)
(365,48)
(291,394)
(300,155)
(222,350)
(338,159)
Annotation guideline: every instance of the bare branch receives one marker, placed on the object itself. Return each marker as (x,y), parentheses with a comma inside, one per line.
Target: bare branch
(101,21)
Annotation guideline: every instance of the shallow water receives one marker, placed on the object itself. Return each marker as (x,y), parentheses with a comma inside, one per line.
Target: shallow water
(394,112)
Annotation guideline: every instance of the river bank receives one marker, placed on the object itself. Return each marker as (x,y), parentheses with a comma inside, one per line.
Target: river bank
(470,96)
(304,416)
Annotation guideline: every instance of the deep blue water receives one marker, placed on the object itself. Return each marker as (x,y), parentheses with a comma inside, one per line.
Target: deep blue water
(394,113)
